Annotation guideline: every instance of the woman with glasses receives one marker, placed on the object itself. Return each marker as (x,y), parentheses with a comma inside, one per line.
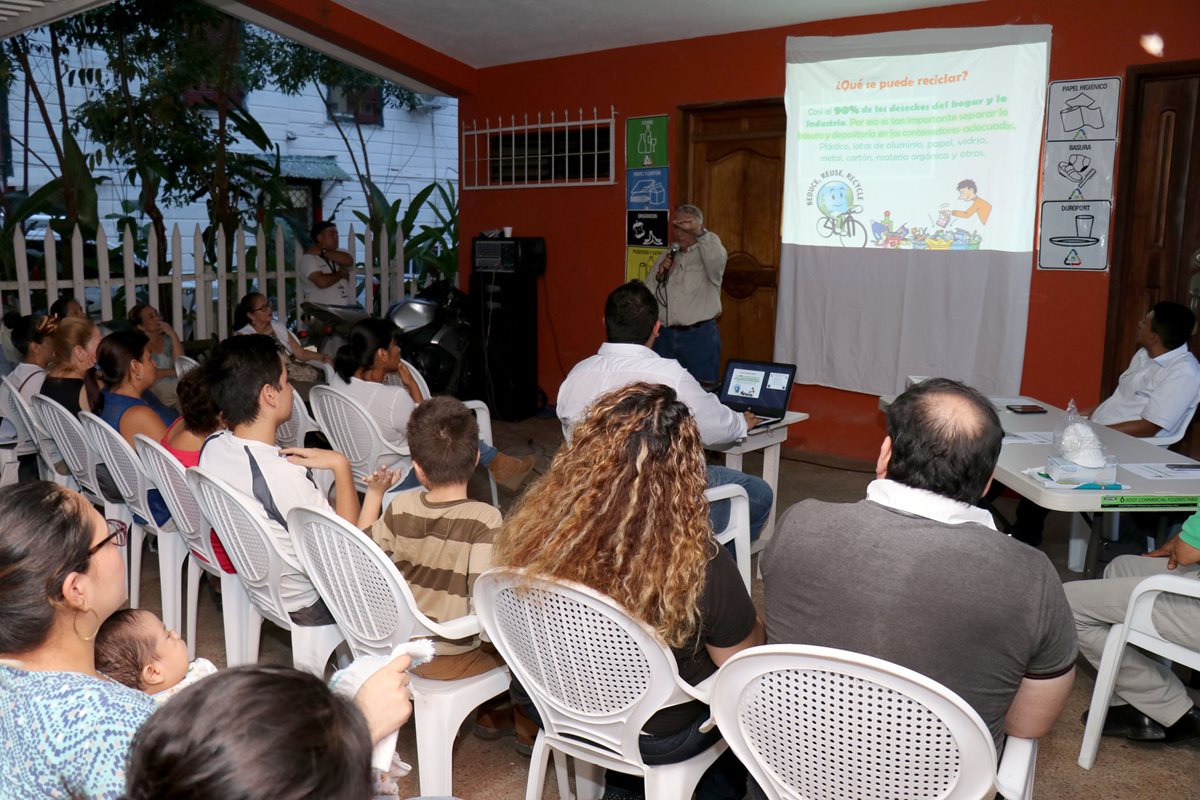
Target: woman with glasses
(66,728)
(254,315)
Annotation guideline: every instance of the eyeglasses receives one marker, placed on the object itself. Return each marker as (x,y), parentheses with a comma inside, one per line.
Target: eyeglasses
(117,534)
(264,307)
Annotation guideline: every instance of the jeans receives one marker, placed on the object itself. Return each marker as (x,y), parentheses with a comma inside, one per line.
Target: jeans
(697,349)
(487,454)
(757,490)
(725,779)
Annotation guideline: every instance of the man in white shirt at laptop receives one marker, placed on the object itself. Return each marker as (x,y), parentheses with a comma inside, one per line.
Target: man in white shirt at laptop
(1154,399)
(631,324)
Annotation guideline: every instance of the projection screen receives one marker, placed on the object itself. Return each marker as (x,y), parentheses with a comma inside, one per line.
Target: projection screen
(909,205)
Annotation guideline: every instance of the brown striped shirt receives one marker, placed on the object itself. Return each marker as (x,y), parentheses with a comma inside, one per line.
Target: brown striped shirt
(440,548)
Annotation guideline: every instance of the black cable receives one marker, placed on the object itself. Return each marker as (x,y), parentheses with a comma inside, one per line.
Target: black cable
(550,320)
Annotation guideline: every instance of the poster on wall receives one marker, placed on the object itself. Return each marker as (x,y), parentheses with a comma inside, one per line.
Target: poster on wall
(646,187)
(1077,175)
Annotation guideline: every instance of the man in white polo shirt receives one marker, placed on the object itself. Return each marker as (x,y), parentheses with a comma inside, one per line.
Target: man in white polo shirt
(1162,384)
(1154,398)
(631,325)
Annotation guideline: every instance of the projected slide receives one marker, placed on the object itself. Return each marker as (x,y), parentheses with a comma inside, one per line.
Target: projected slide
(926,151)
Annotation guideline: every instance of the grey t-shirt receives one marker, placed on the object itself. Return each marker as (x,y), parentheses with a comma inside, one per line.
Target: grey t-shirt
(971,608)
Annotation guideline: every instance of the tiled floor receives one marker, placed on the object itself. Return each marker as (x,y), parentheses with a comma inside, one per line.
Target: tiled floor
(495,770)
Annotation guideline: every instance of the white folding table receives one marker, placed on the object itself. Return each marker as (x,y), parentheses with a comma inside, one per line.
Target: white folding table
(769,439)
(1142,495)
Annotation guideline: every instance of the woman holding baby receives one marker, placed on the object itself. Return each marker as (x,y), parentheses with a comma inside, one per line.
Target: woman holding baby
(67,726)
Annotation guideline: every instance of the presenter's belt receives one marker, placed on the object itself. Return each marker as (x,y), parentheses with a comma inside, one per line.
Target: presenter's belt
(693,325)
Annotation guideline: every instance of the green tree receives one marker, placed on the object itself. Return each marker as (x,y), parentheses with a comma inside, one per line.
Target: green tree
(292,67)
(169,106)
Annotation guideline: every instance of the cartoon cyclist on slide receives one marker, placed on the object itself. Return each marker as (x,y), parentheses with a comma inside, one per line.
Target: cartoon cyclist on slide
(836,201)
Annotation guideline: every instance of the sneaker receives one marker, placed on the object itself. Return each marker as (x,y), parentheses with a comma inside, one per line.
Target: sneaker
(495,722)
(527,731)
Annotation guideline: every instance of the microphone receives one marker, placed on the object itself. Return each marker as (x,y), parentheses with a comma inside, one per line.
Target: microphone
(664,269)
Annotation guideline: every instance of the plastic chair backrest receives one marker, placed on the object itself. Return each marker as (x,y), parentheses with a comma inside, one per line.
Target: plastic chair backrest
(14,407)
(168,475)
(246,541)
(298,426)
(184,365)
(123,464)
(1167,441)
(351,430)
(419,378)
(68,436)
(594,673)
(364,591)
(816,722)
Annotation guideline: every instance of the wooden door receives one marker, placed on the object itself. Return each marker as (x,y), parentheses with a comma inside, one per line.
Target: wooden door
(1157,235)
(734,173)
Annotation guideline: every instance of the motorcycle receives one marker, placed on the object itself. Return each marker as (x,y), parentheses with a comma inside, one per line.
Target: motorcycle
(434,336)
(327,327)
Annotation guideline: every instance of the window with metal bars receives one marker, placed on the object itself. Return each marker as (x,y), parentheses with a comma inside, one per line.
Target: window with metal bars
(566,152)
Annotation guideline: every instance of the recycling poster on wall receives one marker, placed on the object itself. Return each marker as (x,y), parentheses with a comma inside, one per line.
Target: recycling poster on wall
(646,208)
(1077,176)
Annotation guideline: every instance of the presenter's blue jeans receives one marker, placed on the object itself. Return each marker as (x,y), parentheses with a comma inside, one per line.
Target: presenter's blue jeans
(697,349)
(757,490)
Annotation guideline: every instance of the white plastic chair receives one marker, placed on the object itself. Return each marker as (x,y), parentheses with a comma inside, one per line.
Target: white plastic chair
(133,484)
(30,437)
(67,437)
(298,426)
(376,611)
(1138,629)
(483,417)
(737,530)
(168,475)
(595,675)
(184,365)
(813,721)
(258,566)
(353,433)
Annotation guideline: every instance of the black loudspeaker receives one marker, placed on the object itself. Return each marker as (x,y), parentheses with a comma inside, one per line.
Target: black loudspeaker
(504,322)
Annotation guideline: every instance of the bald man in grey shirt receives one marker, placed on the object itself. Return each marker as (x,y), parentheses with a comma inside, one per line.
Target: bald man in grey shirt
(916,574)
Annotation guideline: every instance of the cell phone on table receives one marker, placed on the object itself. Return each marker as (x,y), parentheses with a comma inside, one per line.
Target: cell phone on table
(1026,409)
(1183,467)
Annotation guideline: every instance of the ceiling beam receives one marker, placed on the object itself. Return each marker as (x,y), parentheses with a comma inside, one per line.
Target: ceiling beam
(332,29)
(34,13)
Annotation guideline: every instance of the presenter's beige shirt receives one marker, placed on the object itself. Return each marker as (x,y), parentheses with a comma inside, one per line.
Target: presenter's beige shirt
(693,290)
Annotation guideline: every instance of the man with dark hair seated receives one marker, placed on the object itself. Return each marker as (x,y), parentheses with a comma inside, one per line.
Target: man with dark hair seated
(250,387)
(631,326)
(916,574)
(1153,400)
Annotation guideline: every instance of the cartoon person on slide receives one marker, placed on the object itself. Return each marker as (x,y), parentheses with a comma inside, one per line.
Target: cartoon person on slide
(967,191)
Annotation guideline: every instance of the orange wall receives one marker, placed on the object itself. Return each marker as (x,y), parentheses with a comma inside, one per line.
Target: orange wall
(584,226)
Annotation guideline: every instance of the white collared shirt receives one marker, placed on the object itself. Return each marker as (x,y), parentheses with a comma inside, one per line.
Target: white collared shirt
(1159,390)
(618,365)
(930,505)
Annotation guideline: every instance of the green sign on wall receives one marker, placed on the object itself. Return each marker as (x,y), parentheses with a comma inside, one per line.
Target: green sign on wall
(646,142)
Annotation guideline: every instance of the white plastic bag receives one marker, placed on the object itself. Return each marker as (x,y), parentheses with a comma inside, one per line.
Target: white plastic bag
(1075,440)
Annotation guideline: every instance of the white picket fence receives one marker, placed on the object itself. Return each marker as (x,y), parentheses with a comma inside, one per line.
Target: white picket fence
(218,287)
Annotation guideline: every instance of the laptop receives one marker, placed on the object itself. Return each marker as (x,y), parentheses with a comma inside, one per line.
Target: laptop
(760,387)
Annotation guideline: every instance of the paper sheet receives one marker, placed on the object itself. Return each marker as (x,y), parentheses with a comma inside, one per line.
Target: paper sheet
(1159,472)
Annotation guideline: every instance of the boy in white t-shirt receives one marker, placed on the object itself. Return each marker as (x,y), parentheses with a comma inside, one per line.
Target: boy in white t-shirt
(251,390)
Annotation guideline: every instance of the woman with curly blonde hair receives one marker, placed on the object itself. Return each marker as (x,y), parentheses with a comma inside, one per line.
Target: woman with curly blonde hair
(622,510)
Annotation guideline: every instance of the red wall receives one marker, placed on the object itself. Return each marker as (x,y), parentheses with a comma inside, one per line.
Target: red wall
(584,226)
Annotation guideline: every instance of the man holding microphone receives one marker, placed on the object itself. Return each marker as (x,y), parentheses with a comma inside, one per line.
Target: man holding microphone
(688,289)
